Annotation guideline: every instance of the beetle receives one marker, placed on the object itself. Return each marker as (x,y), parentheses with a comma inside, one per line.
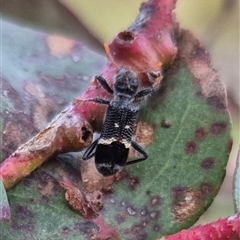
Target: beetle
(111,149)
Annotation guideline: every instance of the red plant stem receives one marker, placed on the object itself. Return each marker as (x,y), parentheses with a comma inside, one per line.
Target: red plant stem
(146,45)
(227,228)
(67,132)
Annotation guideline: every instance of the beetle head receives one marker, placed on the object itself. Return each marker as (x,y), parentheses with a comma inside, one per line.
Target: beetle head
(126,83)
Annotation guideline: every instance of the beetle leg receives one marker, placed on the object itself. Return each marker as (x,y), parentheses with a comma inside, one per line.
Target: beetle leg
(138,148)
(143,93)
(152,75)
(89,153)
(104,84)
(98,100)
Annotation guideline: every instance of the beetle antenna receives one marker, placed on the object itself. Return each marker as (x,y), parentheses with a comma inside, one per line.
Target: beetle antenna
(153,68)
(109,55)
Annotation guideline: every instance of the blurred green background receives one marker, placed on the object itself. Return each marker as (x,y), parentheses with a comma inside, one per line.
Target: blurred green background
(215,23)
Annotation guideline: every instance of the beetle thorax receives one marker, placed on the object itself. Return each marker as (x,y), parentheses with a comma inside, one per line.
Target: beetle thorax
(126,83)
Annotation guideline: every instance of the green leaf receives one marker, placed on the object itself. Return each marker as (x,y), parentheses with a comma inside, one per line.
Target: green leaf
(188,155)
(37,83)
(40,212)
(236,188)
(187,132)
(38,80)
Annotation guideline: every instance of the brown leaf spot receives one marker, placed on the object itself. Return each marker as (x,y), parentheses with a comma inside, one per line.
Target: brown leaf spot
(191,147)
(144,211)
(43,107)
(145,133)
(5,214)
(155,201)
(18,129)
(200,134)
(218,128)
(12,135)
(217,103)
(87,204)
(24,219)
(131,211)
(11,94)
(47,184)
(139,231)
(65,232)
(144,136)
(132,181)
(121,218)
(208,163)
(178,192)
(156,228)
(155,215)
(206,189)
(199,63)
(186,203)
(148,192)
(166,124)
(46,189)
(60,46)
(229,146)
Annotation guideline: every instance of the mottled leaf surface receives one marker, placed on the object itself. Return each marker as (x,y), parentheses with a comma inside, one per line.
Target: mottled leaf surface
(187,160)
(185,126)
(39,80)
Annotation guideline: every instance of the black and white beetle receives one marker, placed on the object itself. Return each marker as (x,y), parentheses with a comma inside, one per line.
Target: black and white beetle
(111,149)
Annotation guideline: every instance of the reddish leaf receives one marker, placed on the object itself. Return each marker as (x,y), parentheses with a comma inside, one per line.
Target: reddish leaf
(228,228)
